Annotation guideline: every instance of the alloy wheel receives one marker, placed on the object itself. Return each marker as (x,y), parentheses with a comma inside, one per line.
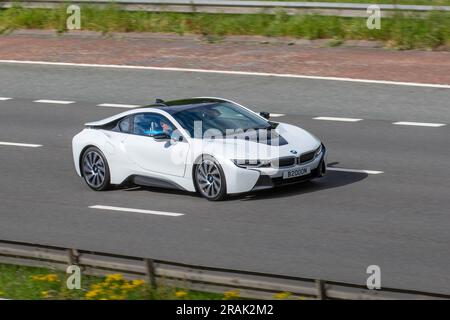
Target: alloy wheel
(94,169)
(209,179)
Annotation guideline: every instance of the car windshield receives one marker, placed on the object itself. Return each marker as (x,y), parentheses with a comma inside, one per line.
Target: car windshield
(225,117)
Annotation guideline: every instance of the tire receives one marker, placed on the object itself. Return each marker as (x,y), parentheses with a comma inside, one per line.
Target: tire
(209,179)
(95,169)
(322,169)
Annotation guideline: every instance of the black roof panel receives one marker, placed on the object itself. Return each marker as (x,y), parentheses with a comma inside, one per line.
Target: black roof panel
(175,106)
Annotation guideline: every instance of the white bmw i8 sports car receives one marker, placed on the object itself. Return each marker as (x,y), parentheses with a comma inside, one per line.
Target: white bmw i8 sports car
(212,146)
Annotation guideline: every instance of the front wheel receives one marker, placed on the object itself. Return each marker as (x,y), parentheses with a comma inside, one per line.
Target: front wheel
(95,169)
(210,179)
(322,169)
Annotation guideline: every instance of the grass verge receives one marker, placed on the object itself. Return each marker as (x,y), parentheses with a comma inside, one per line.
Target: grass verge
(416,2)
(400,32)
(29,283)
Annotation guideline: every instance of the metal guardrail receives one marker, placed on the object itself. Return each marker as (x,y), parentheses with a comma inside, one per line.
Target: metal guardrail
(254,285)
(237,6)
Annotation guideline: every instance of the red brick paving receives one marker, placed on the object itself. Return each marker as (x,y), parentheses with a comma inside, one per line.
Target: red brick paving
(256,54)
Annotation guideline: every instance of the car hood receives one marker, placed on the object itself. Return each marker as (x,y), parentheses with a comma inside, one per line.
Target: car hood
(296,141)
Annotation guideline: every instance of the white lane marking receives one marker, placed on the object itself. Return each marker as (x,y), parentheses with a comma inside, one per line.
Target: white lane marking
(161,213)
(419,124)
(354,170)
(4,98)
(27,145)
(117,105)
(276,115)
(54,101)
(337,119)
(247,73)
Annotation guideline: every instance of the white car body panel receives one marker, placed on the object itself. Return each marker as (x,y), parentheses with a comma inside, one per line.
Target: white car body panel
(153,156)
(134,155)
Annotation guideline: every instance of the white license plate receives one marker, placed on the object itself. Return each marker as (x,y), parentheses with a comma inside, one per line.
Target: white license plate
(296,173)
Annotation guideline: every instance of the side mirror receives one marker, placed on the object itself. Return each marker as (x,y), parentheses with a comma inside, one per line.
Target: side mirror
(176,138)
(265,115)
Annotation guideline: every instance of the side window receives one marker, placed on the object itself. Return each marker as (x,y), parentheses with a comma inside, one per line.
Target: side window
(149,124)
(124,125)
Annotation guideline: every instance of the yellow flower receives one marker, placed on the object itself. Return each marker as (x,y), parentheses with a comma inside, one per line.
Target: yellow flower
(92,294)
(96,287)
(181,294)
(45,294)
(138,282)
(282,295)
(232,294)
(48,277)
(127,286)
(113,277)
(52,277)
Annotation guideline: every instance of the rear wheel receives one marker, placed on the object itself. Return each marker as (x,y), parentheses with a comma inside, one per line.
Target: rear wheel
(210,179)
(95,169)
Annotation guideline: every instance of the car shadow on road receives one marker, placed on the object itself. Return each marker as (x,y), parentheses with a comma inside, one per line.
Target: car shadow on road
(159,190)
(333,179)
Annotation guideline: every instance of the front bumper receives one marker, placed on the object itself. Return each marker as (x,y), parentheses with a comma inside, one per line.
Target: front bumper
(318,169)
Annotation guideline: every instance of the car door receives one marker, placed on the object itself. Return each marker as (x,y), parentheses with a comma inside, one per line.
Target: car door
(164,156)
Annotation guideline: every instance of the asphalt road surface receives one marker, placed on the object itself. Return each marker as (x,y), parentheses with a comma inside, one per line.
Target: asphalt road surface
(332,228)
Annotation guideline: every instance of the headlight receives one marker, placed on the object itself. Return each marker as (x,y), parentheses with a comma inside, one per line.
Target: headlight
(248,164)
(318,151)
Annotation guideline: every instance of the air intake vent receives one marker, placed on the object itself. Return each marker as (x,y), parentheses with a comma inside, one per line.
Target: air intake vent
(306,157)
(284,162)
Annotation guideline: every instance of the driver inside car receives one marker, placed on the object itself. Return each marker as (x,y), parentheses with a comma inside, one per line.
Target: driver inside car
(154,128)
(166,128)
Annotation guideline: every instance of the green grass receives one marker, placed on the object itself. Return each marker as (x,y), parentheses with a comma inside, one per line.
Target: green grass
(29,283)
(417,2)
(401,31)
